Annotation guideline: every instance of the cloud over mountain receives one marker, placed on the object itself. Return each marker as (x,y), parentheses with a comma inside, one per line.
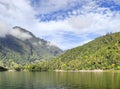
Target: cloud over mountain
(3,29)
(16,32)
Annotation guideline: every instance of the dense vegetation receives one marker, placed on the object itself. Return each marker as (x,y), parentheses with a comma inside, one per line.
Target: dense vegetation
(101,53)
(24,48)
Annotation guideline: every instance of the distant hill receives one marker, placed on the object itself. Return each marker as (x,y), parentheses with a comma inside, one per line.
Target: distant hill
(21,46)
(101,53)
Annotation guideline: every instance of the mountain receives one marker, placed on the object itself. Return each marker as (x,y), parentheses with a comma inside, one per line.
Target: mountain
(21,46)
(101,53)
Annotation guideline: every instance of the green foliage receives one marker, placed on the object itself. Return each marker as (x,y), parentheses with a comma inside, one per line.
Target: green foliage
(118,67)
(39,66)
(23,51)
(101,53)
(18,68)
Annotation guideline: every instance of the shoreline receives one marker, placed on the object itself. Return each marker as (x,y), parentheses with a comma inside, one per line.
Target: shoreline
(99,70)
(87,70)
(79,70)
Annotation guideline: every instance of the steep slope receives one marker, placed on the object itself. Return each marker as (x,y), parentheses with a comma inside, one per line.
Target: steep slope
(101,53)
(21,46)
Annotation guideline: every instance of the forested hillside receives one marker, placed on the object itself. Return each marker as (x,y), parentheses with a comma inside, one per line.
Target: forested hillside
(20,47)
(101,53)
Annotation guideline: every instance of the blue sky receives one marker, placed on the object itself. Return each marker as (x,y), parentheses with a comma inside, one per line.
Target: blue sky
(67,23)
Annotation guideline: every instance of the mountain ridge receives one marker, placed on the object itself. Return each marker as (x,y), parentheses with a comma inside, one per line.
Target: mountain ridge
(21,46)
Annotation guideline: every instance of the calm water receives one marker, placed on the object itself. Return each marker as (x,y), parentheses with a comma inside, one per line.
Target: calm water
(59,80)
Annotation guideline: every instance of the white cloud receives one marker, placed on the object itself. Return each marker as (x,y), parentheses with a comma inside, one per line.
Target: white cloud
(3,29)
(93,20)
(16,12)
(50,44)
(96,22)
(20,34)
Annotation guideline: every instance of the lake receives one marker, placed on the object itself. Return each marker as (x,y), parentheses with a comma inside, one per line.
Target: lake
(60,80)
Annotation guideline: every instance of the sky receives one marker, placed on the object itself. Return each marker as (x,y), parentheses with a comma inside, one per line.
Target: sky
(65,23)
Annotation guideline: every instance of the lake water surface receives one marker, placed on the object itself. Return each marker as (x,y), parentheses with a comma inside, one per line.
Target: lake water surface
(60,80)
